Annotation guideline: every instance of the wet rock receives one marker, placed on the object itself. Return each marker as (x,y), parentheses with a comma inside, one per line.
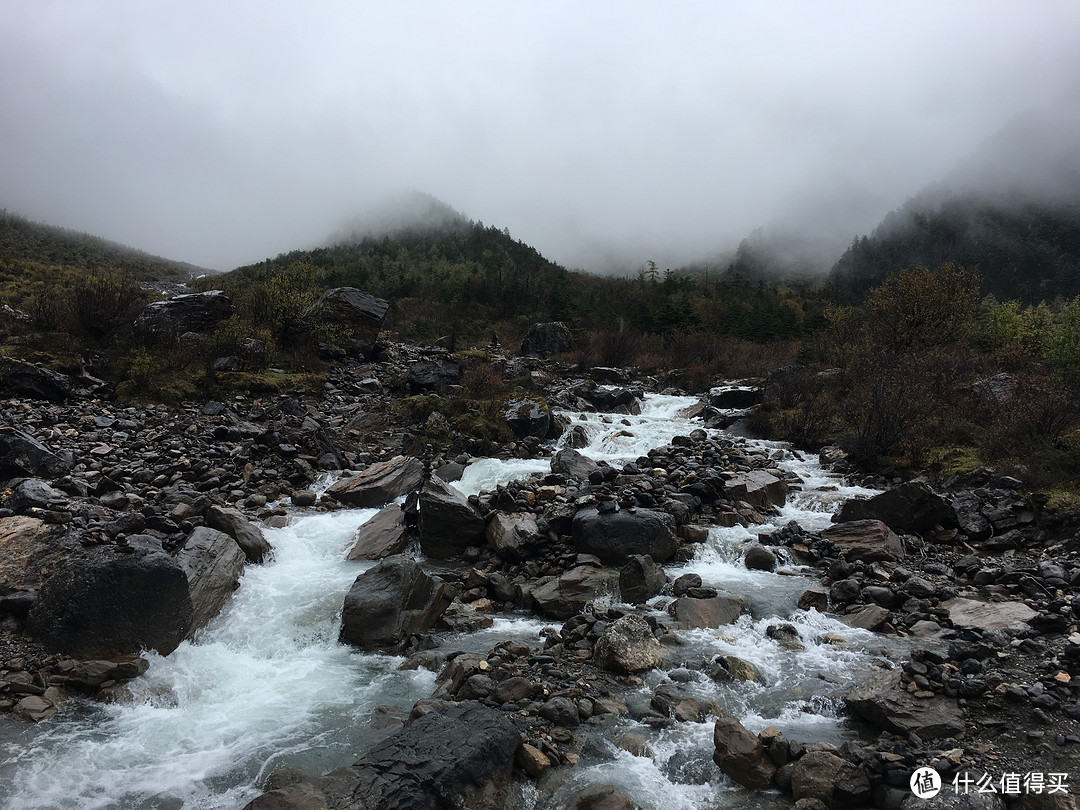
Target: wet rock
(572,464)
(196,312)
(380,483)
(34,708)
(684,583)
(383,535)
(866,541)
(882,700)
(22,454)
(814,599)
(544,339)
(453,756)
(513,536)
(702,613)
(390,602)
(109,604)
(449,524)
(741,755)
(640,579)
(358,315)
(615,536)
(831,779)
(870,617)
(528,416)
(532,761)
(561,712)
(601,797)
(735,396)
(909,508)
(213,563)
(567,595)
(627,646)
(759,558)
(247,535)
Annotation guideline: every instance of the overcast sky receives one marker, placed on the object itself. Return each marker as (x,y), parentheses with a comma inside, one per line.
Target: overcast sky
(223,132)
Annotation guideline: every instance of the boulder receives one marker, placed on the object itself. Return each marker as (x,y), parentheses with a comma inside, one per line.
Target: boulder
(908,508)
(600,797)
(967,512)
(449,524)
(196,312)
(382,536)
(866,541)
(27,381)
(741,755)
(213,563)
(759,488)
(455,756)
(627,645)
(432,375)
(246,534)
(727,397)
(572,464)
(109,604)
(703,613)
(388,603)
(22,454)
(615,536)
(759,558)
(777,380)
(546,339)
(882,700)
(567,595)
(640,579)
(358,315)
(527,416)
(33,494)
(380,483)
(830,779)
(20,539)
(514,535)
(973,614)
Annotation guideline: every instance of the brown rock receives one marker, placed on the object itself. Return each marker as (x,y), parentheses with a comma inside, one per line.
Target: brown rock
(866,541)
(830,779)
(380,483)
(382,536)
(741,755)
(533,761)
(699,614)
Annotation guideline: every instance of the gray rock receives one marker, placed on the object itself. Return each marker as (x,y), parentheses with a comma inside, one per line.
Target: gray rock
(528,416)
(380,483)
(640,579)
(703,613)
(627,645)
(513,536)
(567,595)
(213,563)
(448,522)
(22,454)
(383,535)
(432,375)
(600,797)
(358,315)
(21,379)
(615,536)
(882,700)
(572,464)
(247,535)
(759,488)
(390,602)
(866,540)
(33,494)
(759,558)
(908,508)
(970,613)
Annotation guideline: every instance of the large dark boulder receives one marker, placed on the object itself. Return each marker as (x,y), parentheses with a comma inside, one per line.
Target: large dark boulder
(830,779)
(615,536)
(380,483)
(247,535)
(909,508)
(22,454)
(449,524)
(545,339)
(640,579)
(25,380)
(196,312)
(741,755)
(565,596)
(213,563)
(432,375)
(383,536)
(390,602)
(734,395)
(358,316)
(33,494)
(572,464)
(111,604)
(455,757)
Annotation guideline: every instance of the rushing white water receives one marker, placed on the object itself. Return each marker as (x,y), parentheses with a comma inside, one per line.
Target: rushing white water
(267,685)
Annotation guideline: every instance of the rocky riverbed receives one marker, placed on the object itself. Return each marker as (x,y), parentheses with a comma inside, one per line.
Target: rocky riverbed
(127,530)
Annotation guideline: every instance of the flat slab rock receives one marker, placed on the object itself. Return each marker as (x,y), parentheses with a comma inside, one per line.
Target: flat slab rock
(882,700)
(970,613)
